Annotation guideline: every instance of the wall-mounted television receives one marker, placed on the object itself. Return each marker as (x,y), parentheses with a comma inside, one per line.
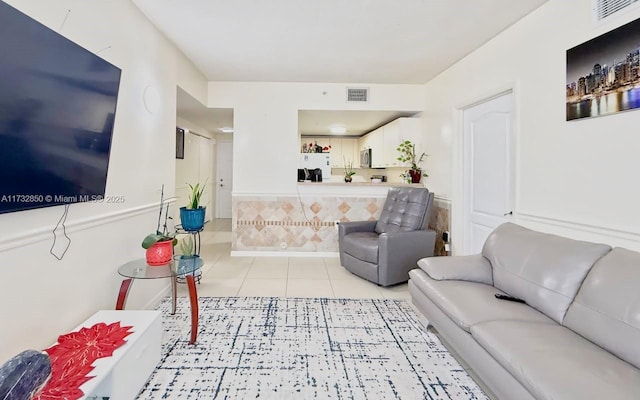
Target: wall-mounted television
(57,111)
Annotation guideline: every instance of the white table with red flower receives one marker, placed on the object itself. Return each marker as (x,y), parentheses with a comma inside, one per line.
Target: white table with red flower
(110,355)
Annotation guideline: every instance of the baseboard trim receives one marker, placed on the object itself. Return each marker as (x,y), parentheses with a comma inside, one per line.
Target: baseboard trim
(594,229)
(242,253)
(41,234)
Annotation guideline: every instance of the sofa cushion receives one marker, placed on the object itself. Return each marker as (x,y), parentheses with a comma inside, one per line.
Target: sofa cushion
(544,270)
(469,303)
(607,307)
(553,362)
(474,268)
(362,245)
(403,210)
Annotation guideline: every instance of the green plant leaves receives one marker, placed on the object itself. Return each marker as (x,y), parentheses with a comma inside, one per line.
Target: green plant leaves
(196,194)
(408,154)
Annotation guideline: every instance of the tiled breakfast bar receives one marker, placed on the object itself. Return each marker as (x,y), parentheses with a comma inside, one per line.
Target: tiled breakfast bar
(306,221)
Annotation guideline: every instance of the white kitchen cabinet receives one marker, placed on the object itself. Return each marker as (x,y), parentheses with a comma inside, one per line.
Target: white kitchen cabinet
(336,153)
(344,150)
(390,142)
(377,147)
(363,142)
(351,152)
(397,132)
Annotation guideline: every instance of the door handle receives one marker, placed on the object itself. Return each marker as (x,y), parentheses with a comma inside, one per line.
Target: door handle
(509,213)
(221,185)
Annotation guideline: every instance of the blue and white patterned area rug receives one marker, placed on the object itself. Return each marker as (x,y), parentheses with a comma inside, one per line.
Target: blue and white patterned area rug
(294,348)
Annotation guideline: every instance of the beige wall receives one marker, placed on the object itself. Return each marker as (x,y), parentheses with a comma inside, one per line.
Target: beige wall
(575,178)
(38,291)
(266,138)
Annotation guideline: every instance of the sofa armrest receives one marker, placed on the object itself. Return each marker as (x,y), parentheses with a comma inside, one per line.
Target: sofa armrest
(399,252)
(346,228)
(473,268)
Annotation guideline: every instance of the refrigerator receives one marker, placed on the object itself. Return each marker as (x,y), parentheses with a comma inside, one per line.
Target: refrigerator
(317,160)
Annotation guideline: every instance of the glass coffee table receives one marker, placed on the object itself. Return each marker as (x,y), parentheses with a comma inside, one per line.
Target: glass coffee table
(177,268)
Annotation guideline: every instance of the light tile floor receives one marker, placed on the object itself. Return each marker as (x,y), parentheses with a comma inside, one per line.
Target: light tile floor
(224,275)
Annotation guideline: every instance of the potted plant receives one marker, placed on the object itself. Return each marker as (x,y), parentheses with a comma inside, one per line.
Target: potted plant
(192,215)
(159,245)
(348,170)
(187,248)
(408,154)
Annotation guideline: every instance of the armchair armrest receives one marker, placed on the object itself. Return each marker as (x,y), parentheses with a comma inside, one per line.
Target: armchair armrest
(344,228)
(398,253)
(473,268)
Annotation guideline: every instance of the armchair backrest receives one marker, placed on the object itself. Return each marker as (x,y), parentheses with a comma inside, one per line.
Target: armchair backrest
(405,209)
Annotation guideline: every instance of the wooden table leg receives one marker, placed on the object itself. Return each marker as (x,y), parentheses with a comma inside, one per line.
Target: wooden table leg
(174,294)
(193,298)
(124,291)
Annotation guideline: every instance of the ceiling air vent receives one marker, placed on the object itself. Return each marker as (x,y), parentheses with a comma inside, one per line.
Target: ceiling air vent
(359,95)
(604,8)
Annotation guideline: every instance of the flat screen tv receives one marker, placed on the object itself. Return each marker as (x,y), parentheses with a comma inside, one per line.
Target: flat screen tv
(57,109)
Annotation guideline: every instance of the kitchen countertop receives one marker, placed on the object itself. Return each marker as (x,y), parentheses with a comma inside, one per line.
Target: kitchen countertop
(353,189)
(361,184)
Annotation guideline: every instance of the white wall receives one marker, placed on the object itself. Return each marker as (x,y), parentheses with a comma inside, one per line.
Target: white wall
(187,169)
(266,137)
(42,297)
(575,178)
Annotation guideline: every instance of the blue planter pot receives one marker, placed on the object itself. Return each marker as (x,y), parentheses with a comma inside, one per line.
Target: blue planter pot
(192,220)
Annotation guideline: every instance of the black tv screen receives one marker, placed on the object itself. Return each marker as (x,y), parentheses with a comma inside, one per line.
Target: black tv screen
(57,109)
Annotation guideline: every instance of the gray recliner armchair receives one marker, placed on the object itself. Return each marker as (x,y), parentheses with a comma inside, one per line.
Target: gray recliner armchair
(384,251)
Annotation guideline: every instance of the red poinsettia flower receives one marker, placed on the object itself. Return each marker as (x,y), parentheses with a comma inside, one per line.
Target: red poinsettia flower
(72,356)
(91,343)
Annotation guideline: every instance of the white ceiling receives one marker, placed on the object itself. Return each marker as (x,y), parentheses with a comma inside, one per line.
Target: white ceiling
(354,41)
(211,119)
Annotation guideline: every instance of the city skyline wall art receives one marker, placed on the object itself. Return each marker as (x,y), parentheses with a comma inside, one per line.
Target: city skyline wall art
(603,74)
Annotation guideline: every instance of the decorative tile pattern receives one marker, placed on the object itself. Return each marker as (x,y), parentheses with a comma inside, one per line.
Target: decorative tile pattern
(439,222)
(308,223)
(272,348)
(296,224)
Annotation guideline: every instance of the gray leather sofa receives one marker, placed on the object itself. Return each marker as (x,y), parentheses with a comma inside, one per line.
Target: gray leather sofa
(577,336)
(384,251)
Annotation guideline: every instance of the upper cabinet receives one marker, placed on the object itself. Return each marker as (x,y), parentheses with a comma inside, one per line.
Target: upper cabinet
(384,141)
(341,149)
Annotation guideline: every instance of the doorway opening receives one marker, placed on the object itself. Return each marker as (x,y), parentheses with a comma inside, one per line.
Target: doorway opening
(204,130)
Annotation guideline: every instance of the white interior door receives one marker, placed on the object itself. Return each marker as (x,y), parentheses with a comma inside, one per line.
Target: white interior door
(224,179)
(488,169)
(204,174)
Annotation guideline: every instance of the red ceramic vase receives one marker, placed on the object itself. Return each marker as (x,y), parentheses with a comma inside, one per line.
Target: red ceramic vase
(416,174)
(160,253)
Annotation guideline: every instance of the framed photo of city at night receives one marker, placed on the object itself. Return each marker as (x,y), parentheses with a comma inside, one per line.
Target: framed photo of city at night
(603,74)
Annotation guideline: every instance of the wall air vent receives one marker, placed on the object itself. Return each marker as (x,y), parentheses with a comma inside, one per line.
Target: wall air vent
(604,8)
(358,95)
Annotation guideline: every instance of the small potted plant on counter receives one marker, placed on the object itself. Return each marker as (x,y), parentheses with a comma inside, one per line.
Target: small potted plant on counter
(408,154)
(348,171)
(159,245)
(192,215)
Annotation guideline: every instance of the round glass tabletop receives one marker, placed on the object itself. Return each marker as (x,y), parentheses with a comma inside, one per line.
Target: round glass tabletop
(139,269)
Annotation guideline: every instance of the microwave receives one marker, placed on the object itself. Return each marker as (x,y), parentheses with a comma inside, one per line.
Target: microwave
(365,158)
